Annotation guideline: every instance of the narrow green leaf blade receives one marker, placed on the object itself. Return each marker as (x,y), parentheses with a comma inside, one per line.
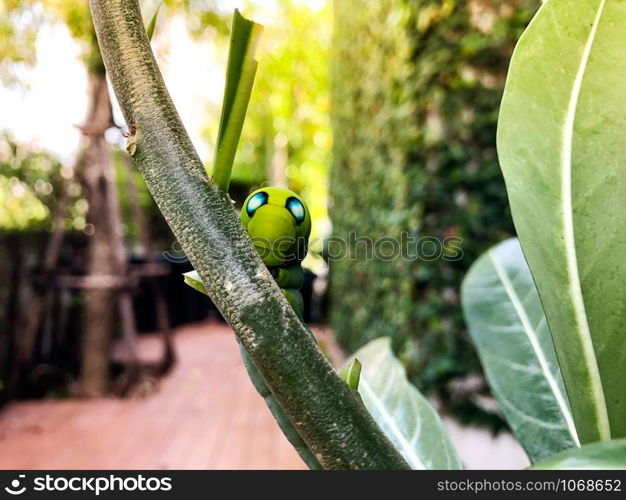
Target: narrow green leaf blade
(150,13)
(595,456)
(509,329)
(563,154)
(192,278)
(407,418)
(350,373)
(240,74)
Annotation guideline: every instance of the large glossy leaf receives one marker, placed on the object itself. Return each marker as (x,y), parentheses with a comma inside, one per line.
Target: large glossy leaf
(509,329)
(562,147)
(596,456)
(407,418)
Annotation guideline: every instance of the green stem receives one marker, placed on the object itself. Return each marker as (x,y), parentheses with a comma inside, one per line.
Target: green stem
(240,72)
(328,415)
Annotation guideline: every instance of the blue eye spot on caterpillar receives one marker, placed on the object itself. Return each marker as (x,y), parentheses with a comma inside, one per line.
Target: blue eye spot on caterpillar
(279,224)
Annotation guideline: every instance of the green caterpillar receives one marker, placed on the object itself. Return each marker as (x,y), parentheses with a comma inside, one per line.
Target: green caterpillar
(279,224)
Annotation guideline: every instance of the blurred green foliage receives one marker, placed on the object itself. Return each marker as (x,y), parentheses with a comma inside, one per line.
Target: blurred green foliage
(415,96)
(19,21)
(31,183)
(20,208)
(77,17)
(201,16)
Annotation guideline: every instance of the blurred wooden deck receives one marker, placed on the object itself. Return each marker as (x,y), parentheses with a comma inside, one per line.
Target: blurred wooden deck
(205,414)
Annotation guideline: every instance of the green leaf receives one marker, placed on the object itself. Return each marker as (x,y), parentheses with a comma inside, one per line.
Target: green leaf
(192,278)
(563,154)
(509,329)
(406,417)
(350,373)
(150,13)
(596,456)
(239,80)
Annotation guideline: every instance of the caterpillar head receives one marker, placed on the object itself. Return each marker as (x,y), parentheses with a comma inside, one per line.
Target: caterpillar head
(279,223)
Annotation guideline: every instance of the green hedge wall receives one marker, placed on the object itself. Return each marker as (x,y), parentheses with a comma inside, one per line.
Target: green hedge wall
(415,92)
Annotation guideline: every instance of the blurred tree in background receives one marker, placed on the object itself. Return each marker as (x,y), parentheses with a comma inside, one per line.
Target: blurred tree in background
(92,175)
(416,89)
(93,169)
(19,20)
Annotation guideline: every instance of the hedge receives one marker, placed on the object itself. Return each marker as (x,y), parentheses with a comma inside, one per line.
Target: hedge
(415,92)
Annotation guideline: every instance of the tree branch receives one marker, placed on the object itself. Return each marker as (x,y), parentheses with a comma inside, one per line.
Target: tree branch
(328,414)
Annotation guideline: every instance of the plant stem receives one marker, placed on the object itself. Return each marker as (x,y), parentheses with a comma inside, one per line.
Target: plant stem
(328,415)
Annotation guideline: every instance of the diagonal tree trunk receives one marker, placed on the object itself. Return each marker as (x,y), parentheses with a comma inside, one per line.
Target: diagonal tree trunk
(330,417)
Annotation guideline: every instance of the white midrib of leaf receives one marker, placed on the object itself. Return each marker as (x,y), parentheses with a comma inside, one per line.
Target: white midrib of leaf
(589,356)
(405,446)
(534,342)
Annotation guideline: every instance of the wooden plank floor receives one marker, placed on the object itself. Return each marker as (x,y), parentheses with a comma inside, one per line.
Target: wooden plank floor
(204,415)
